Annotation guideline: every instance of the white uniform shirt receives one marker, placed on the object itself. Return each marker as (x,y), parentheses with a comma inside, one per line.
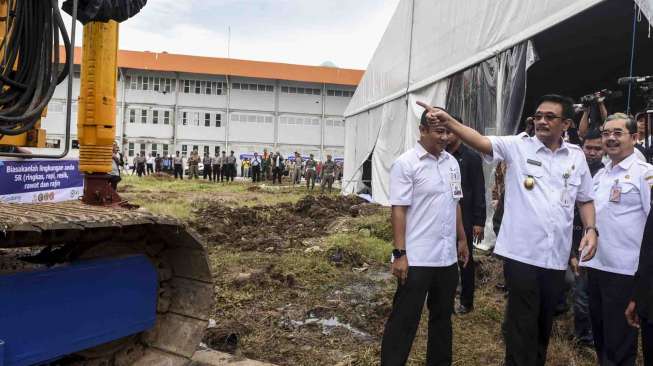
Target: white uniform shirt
(150,160)
(537,223)
(621,224)
(423,182)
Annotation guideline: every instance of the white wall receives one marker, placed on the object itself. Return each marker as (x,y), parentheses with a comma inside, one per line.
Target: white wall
(253,113)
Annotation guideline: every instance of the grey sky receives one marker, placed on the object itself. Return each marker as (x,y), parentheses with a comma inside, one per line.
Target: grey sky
(309,32)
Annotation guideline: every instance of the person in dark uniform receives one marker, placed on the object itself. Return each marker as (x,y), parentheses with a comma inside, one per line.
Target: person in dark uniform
(639,312)
(545,178)
(593,149)
(473,210)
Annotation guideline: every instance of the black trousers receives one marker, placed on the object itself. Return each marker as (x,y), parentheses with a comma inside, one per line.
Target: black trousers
(207,171)
(615,341)
(140,169)
(232,172)
(276,174)
(150,169)
(438,286)
(215,172)
(647,340)
(179,171)
(256,173)
(532,297)
(467,276)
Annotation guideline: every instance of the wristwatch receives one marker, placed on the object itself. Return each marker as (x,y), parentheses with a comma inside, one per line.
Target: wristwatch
(592,228)
(398,253)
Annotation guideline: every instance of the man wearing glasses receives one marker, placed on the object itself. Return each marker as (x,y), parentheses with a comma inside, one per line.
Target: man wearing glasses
(545,177)
(623,201)
(429,240)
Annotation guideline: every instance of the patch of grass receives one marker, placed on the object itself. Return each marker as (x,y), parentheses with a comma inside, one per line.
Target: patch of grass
(179,209)
(359,247)
(378,224)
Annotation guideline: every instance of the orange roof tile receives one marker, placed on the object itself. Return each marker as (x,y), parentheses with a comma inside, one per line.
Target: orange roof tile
(233,67)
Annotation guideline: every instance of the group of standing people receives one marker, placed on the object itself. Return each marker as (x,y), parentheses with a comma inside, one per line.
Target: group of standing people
(548,182)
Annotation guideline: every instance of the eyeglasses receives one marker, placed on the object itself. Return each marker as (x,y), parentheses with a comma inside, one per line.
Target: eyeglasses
(549,117)
(616,133)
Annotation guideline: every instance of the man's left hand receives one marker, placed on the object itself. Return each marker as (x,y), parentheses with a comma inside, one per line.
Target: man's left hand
(588,245)
(463,252)
(479,233)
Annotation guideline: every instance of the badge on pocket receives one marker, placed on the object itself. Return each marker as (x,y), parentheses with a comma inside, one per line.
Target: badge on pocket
(456,190)
(615,192)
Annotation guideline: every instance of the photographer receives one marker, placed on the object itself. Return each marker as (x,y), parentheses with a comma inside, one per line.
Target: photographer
(594,112)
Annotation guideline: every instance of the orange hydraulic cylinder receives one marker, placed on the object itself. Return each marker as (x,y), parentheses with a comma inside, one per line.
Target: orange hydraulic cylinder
(96,116)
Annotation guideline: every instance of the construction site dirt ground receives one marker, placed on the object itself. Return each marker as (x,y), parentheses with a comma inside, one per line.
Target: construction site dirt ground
(303,278)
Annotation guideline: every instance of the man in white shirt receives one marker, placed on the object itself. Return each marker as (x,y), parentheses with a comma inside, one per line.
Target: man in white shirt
(622,193)
(429,239)
(545,177)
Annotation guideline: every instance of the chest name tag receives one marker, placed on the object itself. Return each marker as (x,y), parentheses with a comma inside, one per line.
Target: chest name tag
(456,190)
(533,162)
(615,192)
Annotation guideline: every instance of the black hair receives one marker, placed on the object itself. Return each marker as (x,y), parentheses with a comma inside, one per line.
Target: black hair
(631,124)
(592,134)
(566,103)
(422,119)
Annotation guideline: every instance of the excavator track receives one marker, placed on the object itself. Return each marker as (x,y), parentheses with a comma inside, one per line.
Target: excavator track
(80,232)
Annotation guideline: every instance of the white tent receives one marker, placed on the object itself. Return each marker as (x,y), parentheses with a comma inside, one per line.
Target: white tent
(443,52)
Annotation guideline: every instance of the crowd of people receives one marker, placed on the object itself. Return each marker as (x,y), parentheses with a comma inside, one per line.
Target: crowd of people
(224,168)
(558,184)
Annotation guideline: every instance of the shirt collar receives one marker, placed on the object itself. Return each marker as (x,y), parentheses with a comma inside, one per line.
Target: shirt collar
(422,153)
(624,164)
(564,146)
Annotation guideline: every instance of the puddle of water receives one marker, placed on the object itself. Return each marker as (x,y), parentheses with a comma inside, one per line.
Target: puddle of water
(331,323)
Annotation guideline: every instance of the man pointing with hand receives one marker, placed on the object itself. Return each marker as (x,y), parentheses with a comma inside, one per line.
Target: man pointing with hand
(425,187)
(545,178)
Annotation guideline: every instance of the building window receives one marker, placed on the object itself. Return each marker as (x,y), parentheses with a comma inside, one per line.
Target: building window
(217,87)
(132,116)
(235,86)
(145,83)
(269,88)
(131,149)
(217,150)
(198,87)
(167,86)
(187,86)
(156,86)
(144,116)
(166,117)
(330,93)
(155,149)
(206,149)
(139,84)
(218,120)
(206,85)
(184,150)
(134,83)
(155,117)
(207,119)
(184,118)
(143,149)
(284,89)
(196,148)
(165,149)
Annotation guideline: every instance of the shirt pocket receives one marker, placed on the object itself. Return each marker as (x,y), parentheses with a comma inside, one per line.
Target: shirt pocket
(630,196)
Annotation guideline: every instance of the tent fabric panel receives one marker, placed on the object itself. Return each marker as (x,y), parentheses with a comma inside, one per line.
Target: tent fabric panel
(646,7)
(387,74)
(437,39)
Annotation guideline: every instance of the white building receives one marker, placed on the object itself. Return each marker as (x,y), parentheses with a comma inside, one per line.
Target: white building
(167,103)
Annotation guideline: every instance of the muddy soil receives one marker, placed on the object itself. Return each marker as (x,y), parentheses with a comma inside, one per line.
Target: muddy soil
(270,228)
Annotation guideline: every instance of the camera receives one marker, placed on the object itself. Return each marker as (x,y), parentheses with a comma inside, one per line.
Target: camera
(587,100)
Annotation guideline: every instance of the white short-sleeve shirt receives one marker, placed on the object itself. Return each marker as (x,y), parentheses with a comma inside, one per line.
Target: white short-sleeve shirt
(429,186)
(621,218)
(537,222)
